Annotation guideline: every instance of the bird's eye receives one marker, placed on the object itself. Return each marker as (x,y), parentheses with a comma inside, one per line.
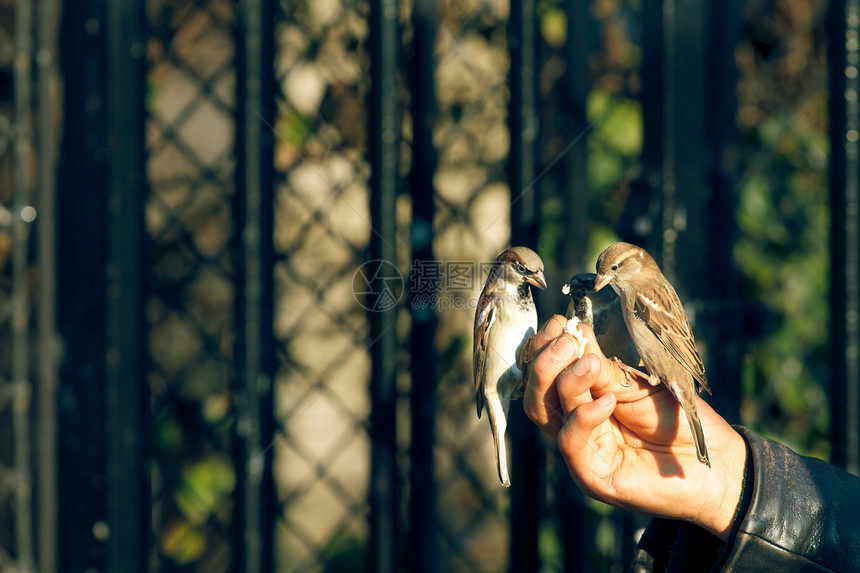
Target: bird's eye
(614,267)
(521,267)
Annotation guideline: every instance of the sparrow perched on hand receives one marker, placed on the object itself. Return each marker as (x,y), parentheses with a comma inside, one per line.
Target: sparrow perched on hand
(601,310)
(504,319)
(659,328)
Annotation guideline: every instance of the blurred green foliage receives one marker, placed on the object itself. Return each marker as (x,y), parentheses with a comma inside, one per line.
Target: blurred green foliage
(294,128)
(783,255)
(783,218)
(202,495)
(553,23)
(182,542)
(617,134)
(204,488)
(347,553)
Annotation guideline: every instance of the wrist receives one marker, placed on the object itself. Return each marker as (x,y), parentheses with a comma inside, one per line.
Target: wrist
(728,486)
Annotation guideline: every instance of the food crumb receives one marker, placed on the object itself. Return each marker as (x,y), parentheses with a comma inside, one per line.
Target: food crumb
(571,329)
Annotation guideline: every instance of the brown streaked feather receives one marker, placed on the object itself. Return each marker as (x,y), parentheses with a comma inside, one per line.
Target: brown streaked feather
(484,319)
(666,318)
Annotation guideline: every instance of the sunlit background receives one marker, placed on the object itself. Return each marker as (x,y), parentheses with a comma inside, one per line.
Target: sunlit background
(190,375)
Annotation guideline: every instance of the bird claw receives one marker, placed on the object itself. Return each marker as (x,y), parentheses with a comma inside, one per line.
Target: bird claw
(623,368)
(525,354)
(523,361)
(629,372)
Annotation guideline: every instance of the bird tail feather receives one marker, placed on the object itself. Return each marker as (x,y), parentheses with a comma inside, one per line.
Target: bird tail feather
(497,412)
(699,437)
(686,396)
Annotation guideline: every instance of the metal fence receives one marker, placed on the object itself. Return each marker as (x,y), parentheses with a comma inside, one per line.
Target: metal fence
(238,243)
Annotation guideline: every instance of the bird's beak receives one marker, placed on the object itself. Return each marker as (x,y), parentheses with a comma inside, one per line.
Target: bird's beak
(601,281)
(537,280)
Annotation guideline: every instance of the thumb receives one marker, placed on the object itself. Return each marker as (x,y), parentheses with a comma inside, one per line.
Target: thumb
(576,439)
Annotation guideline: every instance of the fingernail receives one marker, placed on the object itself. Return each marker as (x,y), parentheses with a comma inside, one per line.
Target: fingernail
(606,400)
(562,349)
(554,327)
(582,366)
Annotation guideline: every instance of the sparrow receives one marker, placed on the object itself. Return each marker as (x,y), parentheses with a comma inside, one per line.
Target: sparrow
(505,318)
(659,328)
(601,310)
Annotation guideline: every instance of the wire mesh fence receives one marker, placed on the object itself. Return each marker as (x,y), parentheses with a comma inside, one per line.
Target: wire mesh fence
(322,185)
(322,222)
(190,307)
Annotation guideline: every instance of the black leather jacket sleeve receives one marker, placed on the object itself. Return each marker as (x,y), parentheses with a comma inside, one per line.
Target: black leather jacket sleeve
(803,515)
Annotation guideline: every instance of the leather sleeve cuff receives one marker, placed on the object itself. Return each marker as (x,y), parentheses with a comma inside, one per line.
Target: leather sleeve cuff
(741,511)
(802,514)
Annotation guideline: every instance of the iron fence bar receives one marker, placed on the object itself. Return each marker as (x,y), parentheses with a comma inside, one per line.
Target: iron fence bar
(126,396)
(81,233)
(698,216)
(843,53)
(423,537)
(669,80)
(255,425)
(686,212)
(20,315)
(641,222)
(383,130)
(523,122)
(723,324)
(576,82)
(48,343)
(575,529)
(528,463)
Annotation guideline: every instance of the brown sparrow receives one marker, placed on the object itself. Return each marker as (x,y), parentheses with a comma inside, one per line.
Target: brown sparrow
(659,328)
(504,319)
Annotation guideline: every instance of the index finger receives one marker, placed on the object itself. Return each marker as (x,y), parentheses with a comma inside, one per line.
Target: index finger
(559,350)
(550,330)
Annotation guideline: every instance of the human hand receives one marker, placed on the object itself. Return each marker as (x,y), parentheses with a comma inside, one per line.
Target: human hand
(630,446)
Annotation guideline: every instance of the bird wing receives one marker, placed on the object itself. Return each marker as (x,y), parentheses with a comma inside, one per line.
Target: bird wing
(485,316)
(668,321)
